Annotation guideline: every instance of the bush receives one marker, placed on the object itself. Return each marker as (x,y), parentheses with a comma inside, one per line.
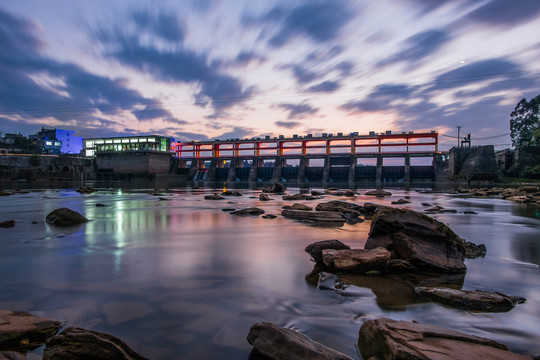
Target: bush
(531,172)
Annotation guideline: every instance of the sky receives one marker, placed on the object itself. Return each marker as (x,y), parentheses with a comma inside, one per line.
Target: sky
(220,69)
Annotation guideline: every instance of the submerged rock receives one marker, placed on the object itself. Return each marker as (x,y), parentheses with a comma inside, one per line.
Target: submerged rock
(81,344)
(380,193)
(279,343)
(400,202)
(7,224)
(300,197)
(214,197)
(252,211)
(319,217)
(65,217)
(269,216)
(359,261)
(315,249)
(275,188)
(473,251)
(389,339)
(341,207)
(20,330)
(422,241)
(231,193)
(476,300)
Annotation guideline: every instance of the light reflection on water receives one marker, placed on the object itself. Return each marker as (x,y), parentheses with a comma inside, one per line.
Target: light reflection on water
(183,279)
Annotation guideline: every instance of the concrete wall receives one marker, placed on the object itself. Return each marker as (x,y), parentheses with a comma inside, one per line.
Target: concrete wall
(14,167)
(472,164)
(133,163)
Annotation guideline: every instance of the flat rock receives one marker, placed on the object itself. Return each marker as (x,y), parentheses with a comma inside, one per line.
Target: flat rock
(529,189)
(315,249)
(389,339)
(300,197)
(358,261)
(317,193)
(20,330)
(380,193)
(275,188)
(298,206)
(279,343)
(475,300)
(86,190)
(252,211)
(422,241)
(65,217)
(231,193)
(269,216)
(214,197)
(12,355)
(7,224)
(320,217)
(401,201)
(341,207)
(81,344)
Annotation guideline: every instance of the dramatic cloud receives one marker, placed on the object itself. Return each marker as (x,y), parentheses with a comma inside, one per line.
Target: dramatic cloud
(298,111)
(418,47)
(380,98)
(162,25)
(188,136)
(325,86)
(236,133)
(180,65)
(319,21)
(505,13)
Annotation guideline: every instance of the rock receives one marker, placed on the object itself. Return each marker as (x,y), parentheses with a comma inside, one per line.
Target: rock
(297,206)
(434,209)
(426,204)
(422,241)
(371,208)
(269,216)
(279,343)
(473,251)
(317,193)
(214,197)
(351,219)
(389,339)
(11,355)
(20,330)
(470,212)
(231,193)
(7,224)
(86,190)
(477,300)
(400,202)
(228,209)
(330,218)
(252,211)
(518,198)
(341,207)
(275,188)
(164,199)
(358,261)
(315,249)
(328,281)
(400,266)
(299,197)
(529,189)
(380,193)
(80,344)
(5,193)
(65,217)
(100,205)
(350,193)
(264,197)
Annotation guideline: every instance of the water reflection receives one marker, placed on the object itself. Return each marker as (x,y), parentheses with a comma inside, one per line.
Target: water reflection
(526,247)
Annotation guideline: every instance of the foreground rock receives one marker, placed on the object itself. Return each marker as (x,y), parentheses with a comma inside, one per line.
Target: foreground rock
(65,217)
(477,300)
(20,330)
(420,240)
(252,211)
(389,339)
(279,343)
(11,355)
(275,188)
(315,249)
(358,261)
(7,224)
(319,217)
(80,344)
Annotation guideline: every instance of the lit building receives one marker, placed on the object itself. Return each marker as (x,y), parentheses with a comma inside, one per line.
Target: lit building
(147,143)
(57,141)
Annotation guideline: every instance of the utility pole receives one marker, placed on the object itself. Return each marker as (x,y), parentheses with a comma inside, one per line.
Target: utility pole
(458,131)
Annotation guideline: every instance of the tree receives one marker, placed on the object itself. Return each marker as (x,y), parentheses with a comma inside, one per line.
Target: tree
(524,123)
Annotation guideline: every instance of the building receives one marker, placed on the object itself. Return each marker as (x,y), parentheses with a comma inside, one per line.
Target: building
(146,143)
(57,141)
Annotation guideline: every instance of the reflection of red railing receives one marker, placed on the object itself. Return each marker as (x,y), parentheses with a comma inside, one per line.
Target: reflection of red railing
(410,143)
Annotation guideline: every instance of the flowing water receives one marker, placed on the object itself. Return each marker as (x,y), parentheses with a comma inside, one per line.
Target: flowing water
(182,279)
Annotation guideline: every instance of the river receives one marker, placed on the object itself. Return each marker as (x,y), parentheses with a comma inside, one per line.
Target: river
(182,279)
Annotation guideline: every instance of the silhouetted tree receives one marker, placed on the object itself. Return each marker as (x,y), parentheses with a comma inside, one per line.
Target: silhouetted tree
(524,123)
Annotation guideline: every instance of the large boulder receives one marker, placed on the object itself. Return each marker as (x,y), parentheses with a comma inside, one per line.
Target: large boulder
(318,217)
(476,300)
(65,217)
(422,241)
(275,188)
(315,249)
(81,344)
(279,343)
(389,339)
(20,330)
(358,261)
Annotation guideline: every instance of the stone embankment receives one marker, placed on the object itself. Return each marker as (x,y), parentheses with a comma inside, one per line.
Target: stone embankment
(523,194)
